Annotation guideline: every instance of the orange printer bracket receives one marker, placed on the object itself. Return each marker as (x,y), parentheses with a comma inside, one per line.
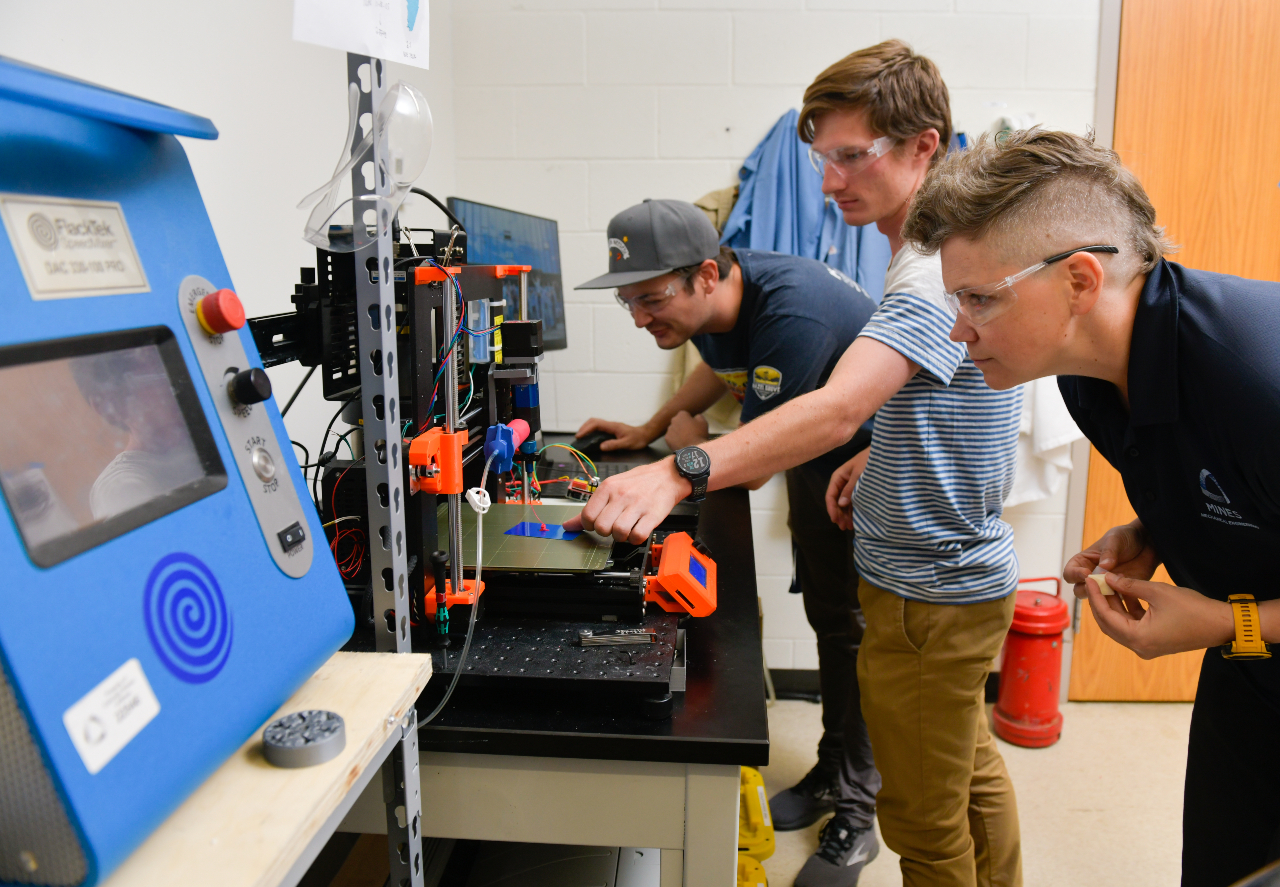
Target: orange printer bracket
(468,595)
(435,460)
(684,580)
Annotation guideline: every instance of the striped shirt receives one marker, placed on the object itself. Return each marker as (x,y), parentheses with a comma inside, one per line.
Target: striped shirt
(927,508)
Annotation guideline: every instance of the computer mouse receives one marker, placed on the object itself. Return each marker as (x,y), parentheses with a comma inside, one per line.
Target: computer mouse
(589,444)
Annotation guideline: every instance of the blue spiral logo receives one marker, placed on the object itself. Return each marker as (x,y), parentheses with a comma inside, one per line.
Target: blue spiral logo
(187,618)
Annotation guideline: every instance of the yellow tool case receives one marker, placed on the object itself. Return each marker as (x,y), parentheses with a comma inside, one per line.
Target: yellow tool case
(755,825)
(750,872)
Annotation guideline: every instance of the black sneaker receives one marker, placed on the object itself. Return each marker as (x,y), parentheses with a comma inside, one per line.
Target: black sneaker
(841,855)
(806,802)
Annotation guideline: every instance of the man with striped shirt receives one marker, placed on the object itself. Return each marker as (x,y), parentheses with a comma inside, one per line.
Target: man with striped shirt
(936,561)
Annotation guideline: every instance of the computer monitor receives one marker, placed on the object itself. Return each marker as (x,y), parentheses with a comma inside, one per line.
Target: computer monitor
(497,236)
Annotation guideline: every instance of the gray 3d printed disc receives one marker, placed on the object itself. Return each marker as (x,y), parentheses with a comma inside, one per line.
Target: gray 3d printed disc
(304,738)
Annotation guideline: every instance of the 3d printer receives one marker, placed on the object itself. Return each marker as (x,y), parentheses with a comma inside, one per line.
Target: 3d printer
(560,610)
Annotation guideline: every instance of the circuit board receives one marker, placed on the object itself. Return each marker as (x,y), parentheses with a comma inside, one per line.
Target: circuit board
(585,553)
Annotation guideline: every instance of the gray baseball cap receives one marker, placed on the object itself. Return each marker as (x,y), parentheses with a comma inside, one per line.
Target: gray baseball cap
(654,238)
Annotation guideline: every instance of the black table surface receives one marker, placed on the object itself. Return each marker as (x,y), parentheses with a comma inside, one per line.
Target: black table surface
(719,719)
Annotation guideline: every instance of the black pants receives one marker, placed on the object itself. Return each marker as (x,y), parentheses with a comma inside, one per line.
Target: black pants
(1231,803)
(829,585)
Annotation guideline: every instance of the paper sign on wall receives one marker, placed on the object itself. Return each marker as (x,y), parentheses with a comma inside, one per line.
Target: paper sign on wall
(395,30)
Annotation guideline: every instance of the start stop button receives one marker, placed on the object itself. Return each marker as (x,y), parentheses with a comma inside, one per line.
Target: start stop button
(263,465)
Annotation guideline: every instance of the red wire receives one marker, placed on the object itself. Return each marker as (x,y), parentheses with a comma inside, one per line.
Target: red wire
(350,565)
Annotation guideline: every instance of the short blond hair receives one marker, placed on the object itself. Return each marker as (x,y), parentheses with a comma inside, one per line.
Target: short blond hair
(902,93)
(1028,184)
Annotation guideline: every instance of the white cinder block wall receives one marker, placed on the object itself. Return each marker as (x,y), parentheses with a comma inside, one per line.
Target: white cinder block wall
(281,111)
(572,109)
(576,109)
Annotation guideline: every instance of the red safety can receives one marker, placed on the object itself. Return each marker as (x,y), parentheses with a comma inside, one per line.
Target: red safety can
(1027,711)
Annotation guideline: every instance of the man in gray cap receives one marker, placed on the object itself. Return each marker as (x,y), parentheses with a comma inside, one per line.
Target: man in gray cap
(770,327)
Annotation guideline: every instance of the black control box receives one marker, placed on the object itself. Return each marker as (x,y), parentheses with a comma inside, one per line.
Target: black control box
(521,339)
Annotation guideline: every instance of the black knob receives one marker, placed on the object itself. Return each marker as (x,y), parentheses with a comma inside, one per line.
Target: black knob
(249,387)
(440,568)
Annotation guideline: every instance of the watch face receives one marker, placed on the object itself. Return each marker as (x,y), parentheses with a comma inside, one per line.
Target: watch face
(693,462)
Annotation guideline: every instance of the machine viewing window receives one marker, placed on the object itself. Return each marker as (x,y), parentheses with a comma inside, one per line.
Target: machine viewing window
(101,434)
(497,236)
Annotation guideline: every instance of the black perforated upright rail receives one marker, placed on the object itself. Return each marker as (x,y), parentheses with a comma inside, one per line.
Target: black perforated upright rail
(384,472)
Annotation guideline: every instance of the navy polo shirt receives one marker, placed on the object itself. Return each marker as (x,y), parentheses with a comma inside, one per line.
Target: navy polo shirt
(1199,448)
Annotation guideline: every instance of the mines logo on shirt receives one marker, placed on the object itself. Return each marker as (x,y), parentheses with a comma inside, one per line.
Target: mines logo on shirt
(1216,508)
(766,382)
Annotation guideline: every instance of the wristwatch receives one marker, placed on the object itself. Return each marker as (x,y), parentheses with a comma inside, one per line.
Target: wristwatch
(695,466)
(1248,643)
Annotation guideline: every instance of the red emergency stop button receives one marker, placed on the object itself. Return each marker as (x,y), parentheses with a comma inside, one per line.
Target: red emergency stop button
(220,312)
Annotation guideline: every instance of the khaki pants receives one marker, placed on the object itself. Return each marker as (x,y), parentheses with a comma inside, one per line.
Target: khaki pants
(947,805)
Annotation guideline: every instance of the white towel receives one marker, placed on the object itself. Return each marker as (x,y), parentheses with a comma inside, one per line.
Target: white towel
(1044,443)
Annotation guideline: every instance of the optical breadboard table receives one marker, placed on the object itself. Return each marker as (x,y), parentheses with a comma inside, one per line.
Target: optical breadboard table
(506,766)
(254,825)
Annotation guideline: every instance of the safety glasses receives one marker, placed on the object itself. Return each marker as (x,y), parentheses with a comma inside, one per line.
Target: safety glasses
(650,303)
(983,304)
(848,162)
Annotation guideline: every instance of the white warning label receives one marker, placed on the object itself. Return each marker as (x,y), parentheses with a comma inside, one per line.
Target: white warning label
(107,718)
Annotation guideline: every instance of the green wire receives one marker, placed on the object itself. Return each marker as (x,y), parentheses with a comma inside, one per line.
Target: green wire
(343,439)
(471,389)
(471,392)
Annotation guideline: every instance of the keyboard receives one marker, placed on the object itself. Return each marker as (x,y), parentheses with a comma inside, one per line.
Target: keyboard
(609,469)
(573,469)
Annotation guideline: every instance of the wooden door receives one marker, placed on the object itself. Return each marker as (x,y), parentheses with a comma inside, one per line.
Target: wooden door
(1197,99)
(1197,94)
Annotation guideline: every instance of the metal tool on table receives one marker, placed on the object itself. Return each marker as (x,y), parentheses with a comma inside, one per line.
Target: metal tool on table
(622,637)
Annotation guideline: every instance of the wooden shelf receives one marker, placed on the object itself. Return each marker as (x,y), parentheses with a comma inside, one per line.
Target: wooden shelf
(254,825)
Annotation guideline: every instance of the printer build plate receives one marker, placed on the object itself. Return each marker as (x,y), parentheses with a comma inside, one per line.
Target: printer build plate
(585,553)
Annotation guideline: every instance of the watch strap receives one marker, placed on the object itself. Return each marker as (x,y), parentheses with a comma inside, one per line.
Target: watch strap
(1248,643)
(699,488)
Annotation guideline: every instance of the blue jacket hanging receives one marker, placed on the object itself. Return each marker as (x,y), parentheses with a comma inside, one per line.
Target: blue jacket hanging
(781,208)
